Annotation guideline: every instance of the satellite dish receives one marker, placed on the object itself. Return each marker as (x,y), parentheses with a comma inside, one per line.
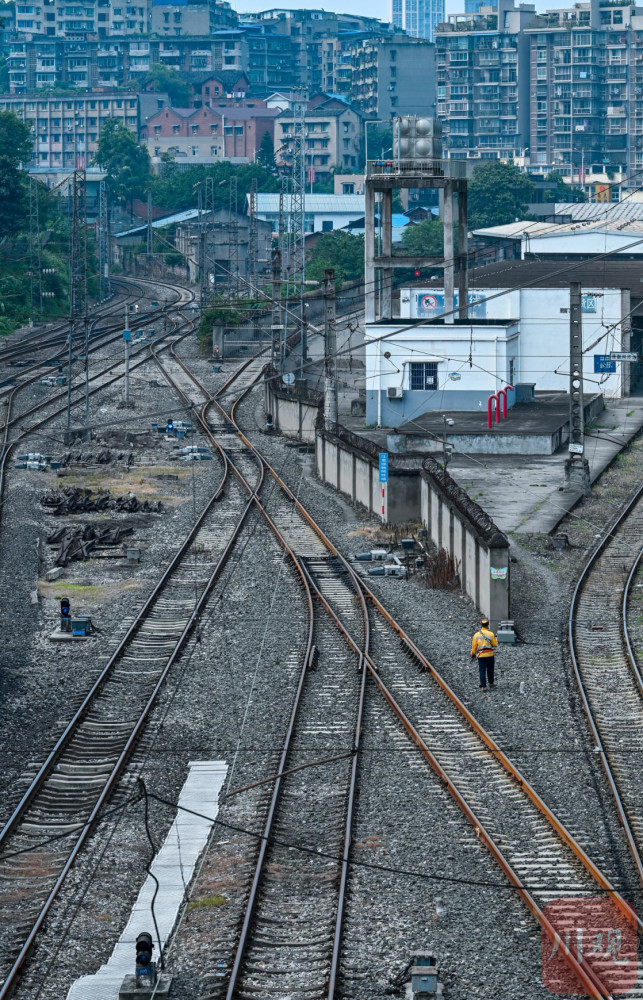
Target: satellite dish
(288,378)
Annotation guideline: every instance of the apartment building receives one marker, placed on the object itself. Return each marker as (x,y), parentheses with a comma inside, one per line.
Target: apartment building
(307,31)
(586,108)
(392,74)
(483,80)
(559,91)
(207,134)
(419,18)
(66,129)
(333,138)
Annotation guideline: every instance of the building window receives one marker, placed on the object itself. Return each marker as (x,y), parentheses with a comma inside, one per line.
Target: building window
(214,150)
(512,371)
(214,128)
(327,225)
(348,189)
(157,151)
(175,129)
(423,375)
(157,130)
(195,129)
(195,150)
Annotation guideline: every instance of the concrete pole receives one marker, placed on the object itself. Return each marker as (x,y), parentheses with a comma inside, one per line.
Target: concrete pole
(330,350)
(126,336)
(69,358)
(449,251)
(276,302)
(387,251)
(369,251)
(463,262)
(87,431)
(576,466)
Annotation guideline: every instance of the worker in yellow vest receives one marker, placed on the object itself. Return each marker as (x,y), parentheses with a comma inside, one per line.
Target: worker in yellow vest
(483,645)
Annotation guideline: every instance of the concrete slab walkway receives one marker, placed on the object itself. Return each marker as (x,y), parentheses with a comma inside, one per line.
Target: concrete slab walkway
(526,493)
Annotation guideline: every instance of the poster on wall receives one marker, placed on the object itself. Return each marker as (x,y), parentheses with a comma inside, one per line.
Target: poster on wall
(431,304)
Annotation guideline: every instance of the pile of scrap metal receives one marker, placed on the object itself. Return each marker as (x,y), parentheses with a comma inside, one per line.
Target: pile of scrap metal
(78,541)
(73,500)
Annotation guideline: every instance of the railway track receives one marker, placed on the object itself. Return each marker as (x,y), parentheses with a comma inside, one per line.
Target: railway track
(63,803)
(51,406)
(606,667)
(545,865)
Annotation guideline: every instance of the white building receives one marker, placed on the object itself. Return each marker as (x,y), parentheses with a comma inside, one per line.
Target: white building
(323,212)
(585,238)
(511,336)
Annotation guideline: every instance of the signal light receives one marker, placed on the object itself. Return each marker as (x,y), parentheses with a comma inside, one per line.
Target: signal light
(65,615)
(144,964)
(417,273)
(170,426)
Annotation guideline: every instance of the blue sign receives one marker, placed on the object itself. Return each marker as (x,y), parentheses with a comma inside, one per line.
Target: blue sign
(383,467)
(127,334)
(603,364)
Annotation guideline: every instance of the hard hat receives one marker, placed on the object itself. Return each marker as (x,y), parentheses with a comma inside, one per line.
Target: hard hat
(484,621)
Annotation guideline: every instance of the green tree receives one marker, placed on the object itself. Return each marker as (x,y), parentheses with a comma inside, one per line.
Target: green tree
(266,153)
(15,146)
(16,143)
(498,193)
(339,250)
(177,189)
(164,79)
(126,160)
(424,239)
(560,191)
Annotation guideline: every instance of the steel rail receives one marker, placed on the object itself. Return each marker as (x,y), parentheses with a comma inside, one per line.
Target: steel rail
(598,550)
(66,736)
(585,974)
(274,802)
(631,655)
(581,969)
(117,769)
(8,447)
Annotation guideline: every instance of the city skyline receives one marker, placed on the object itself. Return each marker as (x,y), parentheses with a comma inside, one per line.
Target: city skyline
(369,8)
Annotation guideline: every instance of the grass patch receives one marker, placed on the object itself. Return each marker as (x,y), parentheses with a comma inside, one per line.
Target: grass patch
(206,902)
(85,591)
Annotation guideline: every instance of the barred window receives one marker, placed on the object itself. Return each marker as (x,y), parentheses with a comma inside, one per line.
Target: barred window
(424,375)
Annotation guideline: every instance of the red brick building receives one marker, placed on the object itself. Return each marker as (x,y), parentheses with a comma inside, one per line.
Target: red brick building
(207,135)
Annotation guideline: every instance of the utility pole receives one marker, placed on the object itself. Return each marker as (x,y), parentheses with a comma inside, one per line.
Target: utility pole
(149,227)
(77,268)
(233,241)
(88,432)
(330,350)
(103,241)
(576,466)
(298,197)
(127,336)
(251,270)
(35,260)
(276,325)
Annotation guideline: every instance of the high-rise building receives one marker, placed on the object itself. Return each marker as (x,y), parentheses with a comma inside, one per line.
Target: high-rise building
(558,91)
(392,75)
(419,18)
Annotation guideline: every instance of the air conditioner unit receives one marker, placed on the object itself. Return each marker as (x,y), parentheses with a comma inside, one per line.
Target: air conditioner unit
(394,392)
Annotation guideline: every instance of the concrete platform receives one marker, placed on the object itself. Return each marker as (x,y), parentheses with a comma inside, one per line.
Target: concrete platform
(537,428)
(526,493)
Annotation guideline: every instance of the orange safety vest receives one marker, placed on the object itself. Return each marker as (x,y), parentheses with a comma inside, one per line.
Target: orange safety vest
(484,643)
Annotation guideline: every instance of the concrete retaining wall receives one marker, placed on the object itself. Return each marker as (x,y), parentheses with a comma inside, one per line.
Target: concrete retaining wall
(351,470)
(479,549)
(293,414)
